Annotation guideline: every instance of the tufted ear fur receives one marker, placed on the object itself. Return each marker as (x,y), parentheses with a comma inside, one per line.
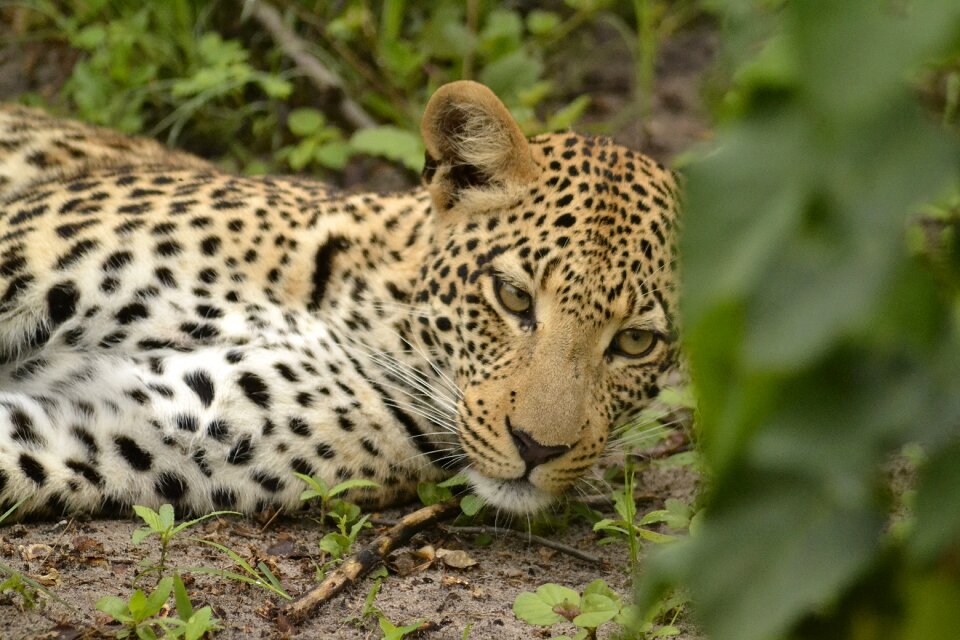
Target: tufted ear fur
(472,142)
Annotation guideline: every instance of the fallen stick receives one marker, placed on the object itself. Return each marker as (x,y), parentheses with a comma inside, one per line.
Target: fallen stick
(368,558)
(529,537)
(322,77)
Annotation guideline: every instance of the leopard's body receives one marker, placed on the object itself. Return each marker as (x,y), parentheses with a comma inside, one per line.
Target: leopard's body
(171,333)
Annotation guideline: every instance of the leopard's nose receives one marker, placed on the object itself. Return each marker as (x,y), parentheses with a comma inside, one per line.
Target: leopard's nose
(532,452)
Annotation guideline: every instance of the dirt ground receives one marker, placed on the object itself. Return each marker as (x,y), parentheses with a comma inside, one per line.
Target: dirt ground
(83,560)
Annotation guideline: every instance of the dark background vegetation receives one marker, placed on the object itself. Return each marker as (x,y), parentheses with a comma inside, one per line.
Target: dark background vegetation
(821,258)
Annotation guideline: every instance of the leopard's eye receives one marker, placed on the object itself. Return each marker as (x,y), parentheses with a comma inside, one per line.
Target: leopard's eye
(513,299)
(634,343)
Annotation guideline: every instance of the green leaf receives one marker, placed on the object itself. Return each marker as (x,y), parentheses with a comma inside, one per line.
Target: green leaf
(458,480)
(599,587)
(141,534)
(6,514)
(431,493)
(508,75)
(675,516)
(146,633)
(333,155)
(305,121)
(596,609)
(401,59)
(335,544)
(302,154)
(275,87)
(151,517)
(392,143)
(629,615)
(655,537)
(90,37)
(158,598)
(356,483)
(269,575)
(138,605)
(606,524)
(558,596)
(200,623)
(471,504)
(531,608)
(253,579)
(542,23)
(114,607)
(166,516)
(566,117)
(181,599)
(393,632)
(317,484)
(233,555)
(502,33)
(213,514)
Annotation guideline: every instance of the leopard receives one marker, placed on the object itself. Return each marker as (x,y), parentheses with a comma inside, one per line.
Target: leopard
(172,333)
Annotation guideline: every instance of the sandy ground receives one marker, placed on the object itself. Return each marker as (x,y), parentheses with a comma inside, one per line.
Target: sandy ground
(82,561)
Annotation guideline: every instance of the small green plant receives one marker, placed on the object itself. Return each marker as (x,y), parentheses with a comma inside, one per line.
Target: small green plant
(337,544)
(260,576)
(435,492)
(676,515)
(329,502)
(626,507)
(322,144)
(162,523)
(370,610)
(552,604)
(319,143)
(393,632)
(141,616)
(18,584)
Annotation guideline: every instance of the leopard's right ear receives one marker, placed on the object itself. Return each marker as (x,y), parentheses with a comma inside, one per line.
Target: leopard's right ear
(472,142)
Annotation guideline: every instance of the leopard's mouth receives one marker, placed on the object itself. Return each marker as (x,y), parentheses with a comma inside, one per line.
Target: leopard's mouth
(517,495)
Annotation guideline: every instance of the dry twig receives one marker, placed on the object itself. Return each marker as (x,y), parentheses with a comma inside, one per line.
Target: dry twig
(296,49)
(368,558)
(530,538)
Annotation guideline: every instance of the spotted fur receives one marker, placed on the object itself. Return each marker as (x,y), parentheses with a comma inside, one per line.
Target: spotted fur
(171,333)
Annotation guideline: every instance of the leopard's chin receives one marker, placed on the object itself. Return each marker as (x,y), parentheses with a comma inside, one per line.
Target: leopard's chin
(516,496)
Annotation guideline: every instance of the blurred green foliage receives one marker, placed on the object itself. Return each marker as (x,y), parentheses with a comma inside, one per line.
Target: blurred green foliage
(819,342)
(209,78)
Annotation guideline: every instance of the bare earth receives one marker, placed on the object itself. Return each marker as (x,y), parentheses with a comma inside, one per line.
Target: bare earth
(81,561)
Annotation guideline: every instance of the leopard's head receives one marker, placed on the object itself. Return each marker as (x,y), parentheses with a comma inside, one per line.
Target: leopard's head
(550,288)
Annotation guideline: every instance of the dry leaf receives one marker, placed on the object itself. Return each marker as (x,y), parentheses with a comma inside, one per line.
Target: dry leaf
(455,558)
(34,551)
(87,546)
(407,561)
(454,581)
(426,552)
(51,578)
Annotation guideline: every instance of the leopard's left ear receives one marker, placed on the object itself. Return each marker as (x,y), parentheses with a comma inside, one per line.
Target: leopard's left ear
(472,142)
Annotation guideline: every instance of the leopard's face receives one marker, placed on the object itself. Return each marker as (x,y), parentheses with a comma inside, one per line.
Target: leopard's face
(551,292)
